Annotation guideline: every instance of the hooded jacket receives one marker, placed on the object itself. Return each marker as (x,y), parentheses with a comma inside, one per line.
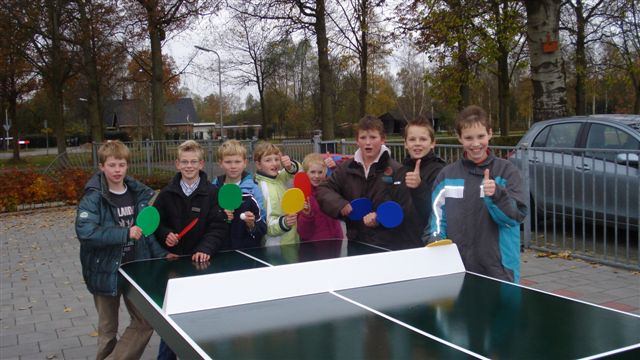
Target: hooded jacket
(430,167)
(384,182)
(101,238)
(486,229)
(177,210)
(240,237)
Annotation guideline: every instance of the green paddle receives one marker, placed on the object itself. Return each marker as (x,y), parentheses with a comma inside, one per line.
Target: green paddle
(230,197)
(148,220)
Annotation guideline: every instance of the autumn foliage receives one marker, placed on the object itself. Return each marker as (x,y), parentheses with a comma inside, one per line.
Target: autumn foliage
(25,187)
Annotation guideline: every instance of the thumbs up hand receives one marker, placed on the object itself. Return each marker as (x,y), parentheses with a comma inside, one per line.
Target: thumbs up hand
(412,178)
(489,185)
(328,161)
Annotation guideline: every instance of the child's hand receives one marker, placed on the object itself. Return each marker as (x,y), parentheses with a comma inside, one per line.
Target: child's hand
(370,220)
(200,257)
(329,161)
(135,232)
(346,210)
(249,219)
(229,214)
(488,185)
(306,209)
(171,256)
(412,178)
(171,240)
(291,220)
(287,164)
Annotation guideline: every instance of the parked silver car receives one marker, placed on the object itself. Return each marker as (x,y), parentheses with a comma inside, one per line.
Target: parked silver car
(585,167)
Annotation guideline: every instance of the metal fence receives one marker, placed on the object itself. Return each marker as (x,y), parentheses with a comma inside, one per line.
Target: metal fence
(582,203)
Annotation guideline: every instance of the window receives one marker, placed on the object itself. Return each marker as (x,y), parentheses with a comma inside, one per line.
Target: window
(559,135)
(608,137)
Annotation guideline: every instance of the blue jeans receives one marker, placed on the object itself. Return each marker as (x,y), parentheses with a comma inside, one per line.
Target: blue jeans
(165,352)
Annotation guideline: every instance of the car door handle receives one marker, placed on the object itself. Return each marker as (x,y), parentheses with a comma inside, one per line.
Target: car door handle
(584,167)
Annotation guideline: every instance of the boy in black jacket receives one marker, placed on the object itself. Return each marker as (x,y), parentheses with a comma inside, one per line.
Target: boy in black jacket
(190,196)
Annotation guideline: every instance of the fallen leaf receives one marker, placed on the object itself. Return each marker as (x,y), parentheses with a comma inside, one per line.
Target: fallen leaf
(52,356)
(25,307)
(93,334)
(67,309)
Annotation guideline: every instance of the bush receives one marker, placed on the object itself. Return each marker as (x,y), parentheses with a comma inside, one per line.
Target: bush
(37,188)
(66,186)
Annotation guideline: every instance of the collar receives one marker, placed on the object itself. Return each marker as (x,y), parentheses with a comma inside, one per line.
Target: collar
(357,157)
(189,189)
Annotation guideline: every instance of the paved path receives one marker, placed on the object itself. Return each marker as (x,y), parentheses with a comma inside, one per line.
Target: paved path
(47,313)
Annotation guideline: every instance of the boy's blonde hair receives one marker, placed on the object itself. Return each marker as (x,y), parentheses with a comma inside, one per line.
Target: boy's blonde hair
(370,122)
(113,148)
(264,148)
(420,121)
(313,158)
(471,115)
(191,146)
(230,148)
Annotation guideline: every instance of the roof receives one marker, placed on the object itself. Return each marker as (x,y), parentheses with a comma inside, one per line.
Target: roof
(130,112)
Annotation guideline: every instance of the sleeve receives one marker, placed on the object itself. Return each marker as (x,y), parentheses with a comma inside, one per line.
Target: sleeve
(329,193)
(437,228)
(259,198)
(507,206)
(285,175)
(217,228)
(422,194)
(162,202)
(260,228)
(89,229)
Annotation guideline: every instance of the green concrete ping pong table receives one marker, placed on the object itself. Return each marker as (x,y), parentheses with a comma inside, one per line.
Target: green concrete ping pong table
(339,299)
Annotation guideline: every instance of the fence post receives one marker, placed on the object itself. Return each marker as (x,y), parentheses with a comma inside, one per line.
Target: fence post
(148,153)
(316,143)
(343,146)
(525,175)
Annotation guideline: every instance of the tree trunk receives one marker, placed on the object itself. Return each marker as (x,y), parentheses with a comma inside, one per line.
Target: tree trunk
(324,71)
(504,93)
(90,70)
(547,69)
(156,36)
(581,61)
(364,58)
(13,131)
(463,89)
(56,76)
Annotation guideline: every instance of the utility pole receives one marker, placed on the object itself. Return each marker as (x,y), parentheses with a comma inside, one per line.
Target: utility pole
(219,86)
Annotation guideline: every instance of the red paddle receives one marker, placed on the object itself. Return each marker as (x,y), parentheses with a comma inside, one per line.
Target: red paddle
(302,182)
(187,228)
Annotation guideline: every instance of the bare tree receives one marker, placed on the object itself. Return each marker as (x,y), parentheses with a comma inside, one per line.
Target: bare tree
(585,22)
(624,36)
(157,18)
(359,28)
(308,15)
(250,43)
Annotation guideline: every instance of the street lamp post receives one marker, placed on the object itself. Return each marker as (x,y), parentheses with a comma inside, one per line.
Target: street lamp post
(219,86)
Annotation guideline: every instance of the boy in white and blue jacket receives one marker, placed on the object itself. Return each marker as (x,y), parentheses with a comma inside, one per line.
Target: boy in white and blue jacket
(479,202)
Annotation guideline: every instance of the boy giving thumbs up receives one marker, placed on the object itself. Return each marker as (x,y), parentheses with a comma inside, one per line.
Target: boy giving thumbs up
(479,202)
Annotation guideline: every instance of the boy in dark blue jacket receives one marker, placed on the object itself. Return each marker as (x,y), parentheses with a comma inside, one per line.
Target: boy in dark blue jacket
(108,237)
(248,224)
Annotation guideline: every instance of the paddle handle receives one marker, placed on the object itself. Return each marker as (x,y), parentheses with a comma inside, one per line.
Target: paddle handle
(187,228)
